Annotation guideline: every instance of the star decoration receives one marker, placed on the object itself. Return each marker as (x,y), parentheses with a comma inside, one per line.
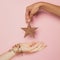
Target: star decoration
(29,31)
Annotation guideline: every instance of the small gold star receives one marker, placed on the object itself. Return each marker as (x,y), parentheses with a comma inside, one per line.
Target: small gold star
(29,31)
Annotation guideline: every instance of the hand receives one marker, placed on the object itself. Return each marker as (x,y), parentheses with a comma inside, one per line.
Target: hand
(29,47)
(32,47)
(32,10)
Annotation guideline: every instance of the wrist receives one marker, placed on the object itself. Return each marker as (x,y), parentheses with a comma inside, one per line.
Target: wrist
(41,5)
(17,49)
(12,52)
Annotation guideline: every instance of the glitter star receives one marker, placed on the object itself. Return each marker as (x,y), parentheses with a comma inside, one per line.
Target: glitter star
(29,31)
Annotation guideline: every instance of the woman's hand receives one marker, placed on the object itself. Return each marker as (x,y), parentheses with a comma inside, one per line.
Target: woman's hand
(32,10)
(32,47)
(29,47)
(22,48)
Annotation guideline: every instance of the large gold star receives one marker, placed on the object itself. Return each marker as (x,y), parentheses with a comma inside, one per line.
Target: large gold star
(29,31)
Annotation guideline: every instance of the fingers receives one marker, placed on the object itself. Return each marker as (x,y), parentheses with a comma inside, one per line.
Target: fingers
(35,45)
(31,47)
(30,12)
(34,11)
(30,44)
(27,47)
(39,48)
(27,15)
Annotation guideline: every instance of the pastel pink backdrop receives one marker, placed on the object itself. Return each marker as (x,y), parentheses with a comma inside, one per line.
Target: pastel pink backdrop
(12,18)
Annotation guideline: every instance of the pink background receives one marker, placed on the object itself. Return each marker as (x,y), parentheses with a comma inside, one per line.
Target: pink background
(12,18)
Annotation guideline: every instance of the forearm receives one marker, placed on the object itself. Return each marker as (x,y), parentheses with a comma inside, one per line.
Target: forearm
(54,9)
(15,50)
(7,55)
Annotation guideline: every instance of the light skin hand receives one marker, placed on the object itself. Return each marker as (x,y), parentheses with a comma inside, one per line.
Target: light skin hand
(29,47)
(32,47)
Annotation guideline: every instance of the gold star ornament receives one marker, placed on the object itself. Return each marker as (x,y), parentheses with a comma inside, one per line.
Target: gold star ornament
(29,31)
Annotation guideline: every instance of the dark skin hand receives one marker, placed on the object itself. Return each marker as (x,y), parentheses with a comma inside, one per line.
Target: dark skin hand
(34,8)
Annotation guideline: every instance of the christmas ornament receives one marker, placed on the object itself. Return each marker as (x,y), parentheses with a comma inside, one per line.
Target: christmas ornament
(29,30)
